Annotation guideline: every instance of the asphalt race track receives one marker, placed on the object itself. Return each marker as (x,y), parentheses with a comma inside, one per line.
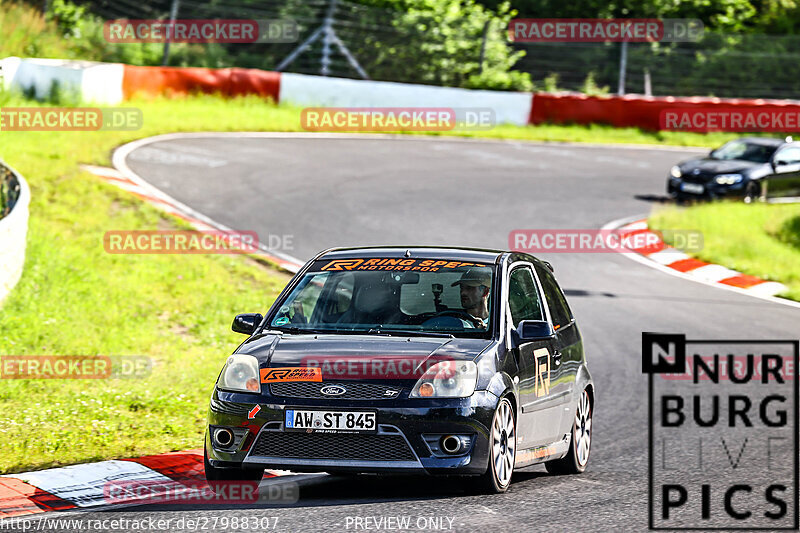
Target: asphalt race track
(327,192)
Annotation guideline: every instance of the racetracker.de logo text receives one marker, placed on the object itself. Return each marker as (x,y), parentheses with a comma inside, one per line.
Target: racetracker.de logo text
(604,30)
(180,242)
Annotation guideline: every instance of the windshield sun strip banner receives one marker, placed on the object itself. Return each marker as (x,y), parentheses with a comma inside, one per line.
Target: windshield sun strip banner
(418,265)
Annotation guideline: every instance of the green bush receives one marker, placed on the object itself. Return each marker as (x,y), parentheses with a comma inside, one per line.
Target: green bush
(446,46)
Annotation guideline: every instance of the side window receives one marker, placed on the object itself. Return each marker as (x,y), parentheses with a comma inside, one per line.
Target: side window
(789,155)
(523,298)
(556,301)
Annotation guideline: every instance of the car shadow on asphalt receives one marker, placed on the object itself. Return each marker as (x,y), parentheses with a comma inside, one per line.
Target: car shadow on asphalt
(327,490)
(653,198)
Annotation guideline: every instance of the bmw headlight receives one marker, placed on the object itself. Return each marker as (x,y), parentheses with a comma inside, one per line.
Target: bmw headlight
(728,179)
(240,374)
(447,379)
(675,172)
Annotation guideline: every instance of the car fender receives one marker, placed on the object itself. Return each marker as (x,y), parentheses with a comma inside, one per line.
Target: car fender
(583,380)
(500,384)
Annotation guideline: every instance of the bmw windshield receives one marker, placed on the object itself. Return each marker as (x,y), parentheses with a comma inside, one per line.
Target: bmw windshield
(390,296)
(744,151)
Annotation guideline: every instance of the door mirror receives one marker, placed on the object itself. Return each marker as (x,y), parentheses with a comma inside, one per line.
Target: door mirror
(246,323)
(535,330)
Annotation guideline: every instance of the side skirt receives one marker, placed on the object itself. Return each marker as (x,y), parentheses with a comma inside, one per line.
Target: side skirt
(541,454)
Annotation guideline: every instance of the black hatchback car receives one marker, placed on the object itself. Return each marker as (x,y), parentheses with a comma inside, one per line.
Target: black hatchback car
(407,360)
(749,168)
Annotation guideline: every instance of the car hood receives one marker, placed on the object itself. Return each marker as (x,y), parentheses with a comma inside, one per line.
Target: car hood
(297,350)
(708,166)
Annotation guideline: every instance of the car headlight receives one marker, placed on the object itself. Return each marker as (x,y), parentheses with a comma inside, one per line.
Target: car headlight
(240,374)
(728,179)
(675,172)
(447,379)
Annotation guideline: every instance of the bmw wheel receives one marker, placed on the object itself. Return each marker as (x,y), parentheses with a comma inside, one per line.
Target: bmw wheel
(502,450)
(577,458)
(752,192)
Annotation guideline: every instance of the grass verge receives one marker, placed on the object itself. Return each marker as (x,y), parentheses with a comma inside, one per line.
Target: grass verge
(75,299)
(758,239)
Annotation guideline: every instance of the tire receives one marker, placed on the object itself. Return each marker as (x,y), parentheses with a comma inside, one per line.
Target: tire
(502,451)
(577,459)
(752,193)
(214,474)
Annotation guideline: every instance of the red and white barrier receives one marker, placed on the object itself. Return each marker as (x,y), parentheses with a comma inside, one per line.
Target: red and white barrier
(303,90)
(636,111)
(94,82)
(108,83)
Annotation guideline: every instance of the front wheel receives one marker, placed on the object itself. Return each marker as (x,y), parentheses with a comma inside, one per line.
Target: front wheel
(502,450)
(752,193)
(577,458)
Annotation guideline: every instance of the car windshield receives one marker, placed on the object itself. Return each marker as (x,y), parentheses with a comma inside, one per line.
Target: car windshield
(744,151)
(390,296)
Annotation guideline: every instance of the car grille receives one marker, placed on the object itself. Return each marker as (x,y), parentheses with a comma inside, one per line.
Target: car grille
(332,446)
(702,177)
(353,390)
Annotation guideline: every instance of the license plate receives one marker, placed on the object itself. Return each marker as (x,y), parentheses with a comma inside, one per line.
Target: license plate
(330,421)
(693,188)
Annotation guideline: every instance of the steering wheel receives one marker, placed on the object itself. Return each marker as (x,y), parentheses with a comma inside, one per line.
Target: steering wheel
(455,313)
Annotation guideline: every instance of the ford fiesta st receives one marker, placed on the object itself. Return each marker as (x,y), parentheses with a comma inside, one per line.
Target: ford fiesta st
(407,360)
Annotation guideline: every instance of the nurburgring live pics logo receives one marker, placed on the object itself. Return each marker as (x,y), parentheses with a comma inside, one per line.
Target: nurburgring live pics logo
(723,436)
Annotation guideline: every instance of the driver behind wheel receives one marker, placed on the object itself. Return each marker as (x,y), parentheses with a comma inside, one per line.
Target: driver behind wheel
(475,293)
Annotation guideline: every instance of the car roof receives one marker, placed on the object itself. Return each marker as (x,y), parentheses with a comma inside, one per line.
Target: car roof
(479,255)
(766,141)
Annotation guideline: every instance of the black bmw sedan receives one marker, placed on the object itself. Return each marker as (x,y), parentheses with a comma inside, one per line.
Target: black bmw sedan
(749,168)
(407,360)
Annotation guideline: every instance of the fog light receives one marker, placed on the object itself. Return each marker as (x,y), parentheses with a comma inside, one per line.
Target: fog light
(451,444)
(223,437)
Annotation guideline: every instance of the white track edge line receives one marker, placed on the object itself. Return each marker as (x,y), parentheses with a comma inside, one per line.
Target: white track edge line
(614,224)
(118,160)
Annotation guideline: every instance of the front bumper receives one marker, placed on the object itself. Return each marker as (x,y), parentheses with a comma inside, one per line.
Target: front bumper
(402,443)
(710,190)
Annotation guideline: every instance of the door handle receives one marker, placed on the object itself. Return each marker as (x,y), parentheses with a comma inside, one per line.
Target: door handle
(556,358)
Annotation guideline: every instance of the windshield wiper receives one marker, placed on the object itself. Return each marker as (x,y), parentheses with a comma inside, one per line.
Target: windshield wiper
(411,332)
(293,329)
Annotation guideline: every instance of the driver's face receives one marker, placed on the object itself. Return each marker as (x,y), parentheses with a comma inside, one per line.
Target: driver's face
(471,296)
